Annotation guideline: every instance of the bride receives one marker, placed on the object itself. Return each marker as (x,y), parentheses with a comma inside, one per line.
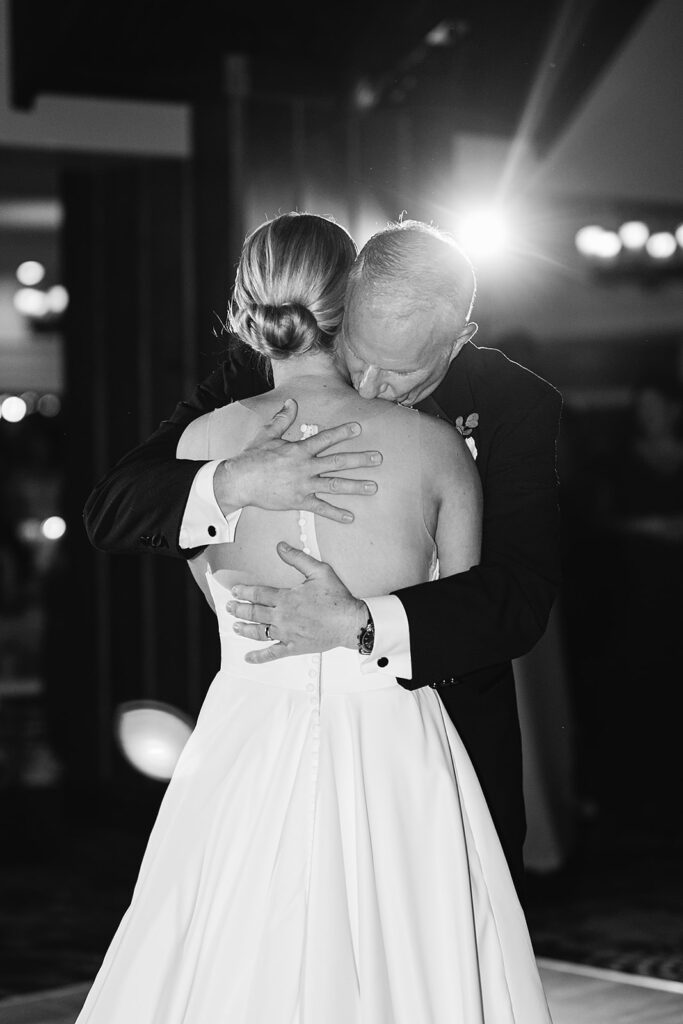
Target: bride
(323,853)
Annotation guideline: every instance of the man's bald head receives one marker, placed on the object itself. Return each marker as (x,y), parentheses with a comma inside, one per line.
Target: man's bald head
(409,298)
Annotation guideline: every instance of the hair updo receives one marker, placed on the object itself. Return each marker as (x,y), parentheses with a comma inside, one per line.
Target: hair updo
(290,285)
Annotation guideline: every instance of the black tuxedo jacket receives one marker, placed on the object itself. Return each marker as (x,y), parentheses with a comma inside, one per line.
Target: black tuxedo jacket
(464,629)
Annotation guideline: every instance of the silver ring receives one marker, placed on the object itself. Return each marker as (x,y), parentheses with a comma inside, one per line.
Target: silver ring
(268,636)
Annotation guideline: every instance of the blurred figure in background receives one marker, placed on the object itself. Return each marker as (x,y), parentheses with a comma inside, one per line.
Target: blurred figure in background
(648,476)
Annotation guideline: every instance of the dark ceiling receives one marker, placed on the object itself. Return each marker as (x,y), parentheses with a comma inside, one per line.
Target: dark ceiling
(492,52)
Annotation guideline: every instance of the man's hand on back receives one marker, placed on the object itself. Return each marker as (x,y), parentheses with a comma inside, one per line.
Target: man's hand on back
(280,475)
(315,615)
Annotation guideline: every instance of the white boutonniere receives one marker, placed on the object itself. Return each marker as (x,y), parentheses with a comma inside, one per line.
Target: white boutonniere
(466,426)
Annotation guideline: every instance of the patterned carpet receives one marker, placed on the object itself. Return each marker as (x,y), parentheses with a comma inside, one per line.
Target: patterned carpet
(619,905)
(62,891)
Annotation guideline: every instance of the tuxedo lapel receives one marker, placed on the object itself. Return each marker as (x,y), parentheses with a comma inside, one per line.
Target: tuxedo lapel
(454,401)
(453,397)
(430,406)
(454,393)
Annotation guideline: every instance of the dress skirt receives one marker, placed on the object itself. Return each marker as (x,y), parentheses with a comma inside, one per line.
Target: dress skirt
(323,855)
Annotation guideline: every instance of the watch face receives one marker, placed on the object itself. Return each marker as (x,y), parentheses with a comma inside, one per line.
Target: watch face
(367,638)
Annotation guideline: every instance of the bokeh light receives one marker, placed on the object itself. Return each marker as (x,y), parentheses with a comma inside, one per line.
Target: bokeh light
(661,245)
(13,409)
(608,244)
(31,302)
(596,241)
(634,234)
(53,528)
(29,531)
(30,273)
(587,239)
(49,405)
(679,235)
(152,736)
(57,299)
(31,399)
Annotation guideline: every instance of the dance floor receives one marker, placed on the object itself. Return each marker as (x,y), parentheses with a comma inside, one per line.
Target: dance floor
(576,994)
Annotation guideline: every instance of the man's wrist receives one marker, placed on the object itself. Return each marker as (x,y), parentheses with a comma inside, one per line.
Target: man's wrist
(228,486)
(365,632)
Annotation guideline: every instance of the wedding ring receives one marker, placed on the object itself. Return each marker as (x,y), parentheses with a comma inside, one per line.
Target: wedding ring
(268,636)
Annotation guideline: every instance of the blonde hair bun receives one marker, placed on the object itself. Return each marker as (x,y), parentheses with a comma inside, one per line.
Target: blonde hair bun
(278,331)
(290,285)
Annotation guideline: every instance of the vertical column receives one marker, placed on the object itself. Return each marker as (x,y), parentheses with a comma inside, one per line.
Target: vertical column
(218,173)
(127,631)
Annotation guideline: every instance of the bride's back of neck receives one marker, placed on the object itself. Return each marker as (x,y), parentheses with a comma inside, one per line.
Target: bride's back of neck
(308,371)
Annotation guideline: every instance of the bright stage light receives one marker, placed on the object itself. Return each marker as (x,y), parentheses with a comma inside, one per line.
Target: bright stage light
(679,235)
(661,245)
(30,273)
(634,234)
(152,736)
(13,409)
(484,232)
(53,528)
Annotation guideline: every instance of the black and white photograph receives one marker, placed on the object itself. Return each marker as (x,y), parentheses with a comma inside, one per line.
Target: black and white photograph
(341,512)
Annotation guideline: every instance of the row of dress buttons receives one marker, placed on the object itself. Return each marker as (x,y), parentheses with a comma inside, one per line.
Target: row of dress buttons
(444,682)
(302,535)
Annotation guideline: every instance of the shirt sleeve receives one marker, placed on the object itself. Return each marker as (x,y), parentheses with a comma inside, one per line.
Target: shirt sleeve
(391,650)
(203,521)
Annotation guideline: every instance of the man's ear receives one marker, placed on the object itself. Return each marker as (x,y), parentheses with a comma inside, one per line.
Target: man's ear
(467,333)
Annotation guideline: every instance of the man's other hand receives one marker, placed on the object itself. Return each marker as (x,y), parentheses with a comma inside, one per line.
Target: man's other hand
(272,473)
(314,616)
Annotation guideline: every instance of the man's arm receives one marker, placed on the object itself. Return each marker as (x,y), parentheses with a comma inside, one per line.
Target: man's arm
(139,504)
(143,503)
(459,624)
(499,609)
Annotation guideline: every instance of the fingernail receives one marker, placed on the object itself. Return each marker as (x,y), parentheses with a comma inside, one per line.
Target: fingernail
(347,518)
(376,458)
(369,488)
(355,428)
(283,546)
(288,404)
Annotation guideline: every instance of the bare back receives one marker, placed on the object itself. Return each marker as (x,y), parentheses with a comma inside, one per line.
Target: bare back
(390,544)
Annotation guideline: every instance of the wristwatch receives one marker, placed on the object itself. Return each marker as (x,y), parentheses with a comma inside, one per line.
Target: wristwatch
(366,636)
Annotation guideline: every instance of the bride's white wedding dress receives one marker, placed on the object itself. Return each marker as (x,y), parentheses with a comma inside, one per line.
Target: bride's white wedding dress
(323,855)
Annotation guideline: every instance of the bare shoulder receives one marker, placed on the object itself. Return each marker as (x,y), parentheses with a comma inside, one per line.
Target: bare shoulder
(447,462)
(442,442)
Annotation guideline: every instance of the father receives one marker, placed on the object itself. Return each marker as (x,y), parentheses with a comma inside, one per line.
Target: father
(458,633)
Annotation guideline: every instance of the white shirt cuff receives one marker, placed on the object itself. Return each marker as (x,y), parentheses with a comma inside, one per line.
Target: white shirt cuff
(204,522)
(391,650)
